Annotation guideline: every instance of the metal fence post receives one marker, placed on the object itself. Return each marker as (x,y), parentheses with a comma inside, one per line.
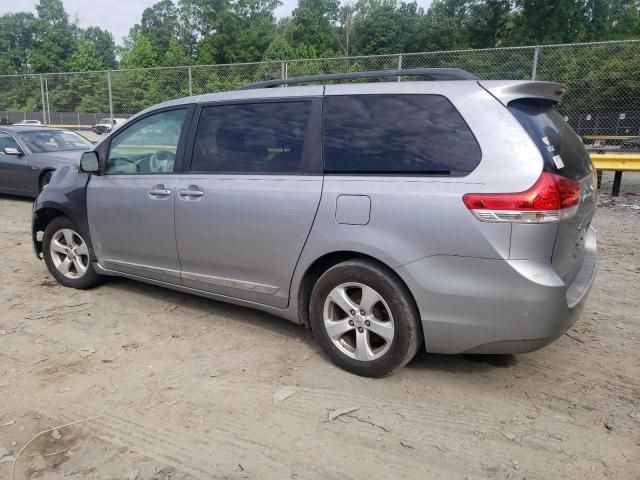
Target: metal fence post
(46,96)
(190,83)
(534,69)
(284,71)
(110,95)
(399,64)
(44,108)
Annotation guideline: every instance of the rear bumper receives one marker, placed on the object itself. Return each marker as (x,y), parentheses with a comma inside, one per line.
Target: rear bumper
(477,305)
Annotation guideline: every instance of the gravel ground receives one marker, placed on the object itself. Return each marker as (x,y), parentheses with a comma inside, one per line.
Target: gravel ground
(179,387)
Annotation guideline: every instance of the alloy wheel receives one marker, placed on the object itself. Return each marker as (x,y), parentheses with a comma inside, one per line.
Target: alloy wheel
(69,253)
(358,321)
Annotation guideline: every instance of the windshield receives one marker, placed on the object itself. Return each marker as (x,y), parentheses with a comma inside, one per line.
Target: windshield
(55,141)
(105,120)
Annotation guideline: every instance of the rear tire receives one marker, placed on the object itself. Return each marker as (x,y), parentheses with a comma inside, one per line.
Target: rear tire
(66,254)
(364,318)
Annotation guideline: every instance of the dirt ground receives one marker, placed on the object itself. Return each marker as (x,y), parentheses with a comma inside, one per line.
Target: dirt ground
(179,387)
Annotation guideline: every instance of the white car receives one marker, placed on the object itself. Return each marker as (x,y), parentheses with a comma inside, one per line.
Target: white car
(106,125)
(33,123)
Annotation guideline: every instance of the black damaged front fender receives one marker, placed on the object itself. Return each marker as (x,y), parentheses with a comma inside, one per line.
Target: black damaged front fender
(66,194)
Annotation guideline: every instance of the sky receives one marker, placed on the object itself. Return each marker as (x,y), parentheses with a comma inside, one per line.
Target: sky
(118,16)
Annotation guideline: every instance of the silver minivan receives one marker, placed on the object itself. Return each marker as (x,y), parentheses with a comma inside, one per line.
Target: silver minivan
(383,215)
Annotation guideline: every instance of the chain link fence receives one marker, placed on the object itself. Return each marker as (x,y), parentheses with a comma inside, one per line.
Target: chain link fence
(603,102)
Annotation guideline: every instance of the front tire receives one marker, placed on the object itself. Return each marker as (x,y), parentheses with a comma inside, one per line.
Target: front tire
(66,254)
(364,318)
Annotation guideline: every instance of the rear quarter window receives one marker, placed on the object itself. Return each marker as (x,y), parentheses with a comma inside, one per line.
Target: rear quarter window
(563,151)
(397,134)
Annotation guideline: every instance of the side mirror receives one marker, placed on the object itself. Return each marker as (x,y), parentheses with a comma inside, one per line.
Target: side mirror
(12,151)
(89,162)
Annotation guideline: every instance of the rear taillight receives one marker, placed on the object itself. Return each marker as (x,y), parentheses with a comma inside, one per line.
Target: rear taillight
(551,199)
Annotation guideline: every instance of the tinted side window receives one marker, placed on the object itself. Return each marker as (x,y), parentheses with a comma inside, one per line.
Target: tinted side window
(251,138)
(147,146)
(397,134)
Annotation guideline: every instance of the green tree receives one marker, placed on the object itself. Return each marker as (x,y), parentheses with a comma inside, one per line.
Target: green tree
(175,55)
(204,14)
(547,21)
(487,22)
(252,31)
(105,47)
(442,27)
(377,29)
(17,37)
(279,49)
(385,26)
(313,26)
(54,38)
(240,31)
(85,58)
(159,24)
(140,54)
(612,19)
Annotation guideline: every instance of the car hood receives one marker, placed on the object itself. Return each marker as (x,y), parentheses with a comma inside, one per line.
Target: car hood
(71,156)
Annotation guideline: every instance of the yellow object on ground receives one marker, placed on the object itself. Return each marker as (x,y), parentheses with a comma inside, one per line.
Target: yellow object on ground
(617,162)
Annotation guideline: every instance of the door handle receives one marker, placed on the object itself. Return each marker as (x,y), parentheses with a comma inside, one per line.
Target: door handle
(159,191)
(191,191)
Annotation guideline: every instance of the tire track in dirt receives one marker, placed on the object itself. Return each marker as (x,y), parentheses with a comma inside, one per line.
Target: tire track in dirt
(191,452)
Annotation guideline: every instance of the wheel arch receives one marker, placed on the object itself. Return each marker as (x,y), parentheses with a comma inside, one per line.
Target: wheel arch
(41,218)
(44,215)
(66,195)
(42,174)
(325,262)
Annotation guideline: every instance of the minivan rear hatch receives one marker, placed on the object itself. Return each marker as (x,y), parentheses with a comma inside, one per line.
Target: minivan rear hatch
(564,154)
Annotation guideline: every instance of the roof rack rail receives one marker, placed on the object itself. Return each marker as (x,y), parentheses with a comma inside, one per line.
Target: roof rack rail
(434,73)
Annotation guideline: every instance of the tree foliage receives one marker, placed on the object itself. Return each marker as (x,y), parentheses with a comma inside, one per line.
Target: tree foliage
(178,32)
(104,45)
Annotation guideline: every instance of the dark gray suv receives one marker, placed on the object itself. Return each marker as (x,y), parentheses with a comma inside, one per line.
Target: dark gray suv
(453,212)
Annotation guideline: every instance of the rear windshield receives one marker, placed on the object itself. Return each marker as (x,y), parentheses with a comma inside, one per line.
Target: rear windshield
(397,134)
(563,151)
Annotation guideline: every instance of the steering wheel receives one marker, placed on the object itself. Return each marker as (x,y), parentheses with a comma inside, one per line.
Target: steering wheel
(162,161)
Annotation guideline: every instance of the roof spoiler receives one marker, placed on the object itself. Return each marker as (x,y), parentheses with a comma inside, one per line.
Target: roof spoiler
(508,90)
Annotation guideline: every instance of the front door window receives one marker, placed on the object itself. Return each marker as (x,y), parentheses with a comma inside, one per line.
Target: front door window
(148,146)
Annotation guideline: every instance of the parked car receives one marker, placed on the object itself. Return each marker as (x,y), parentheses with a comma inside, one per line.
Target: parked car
(106,125)
(34,123)
(383,215)
(29,156)
(631,144)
